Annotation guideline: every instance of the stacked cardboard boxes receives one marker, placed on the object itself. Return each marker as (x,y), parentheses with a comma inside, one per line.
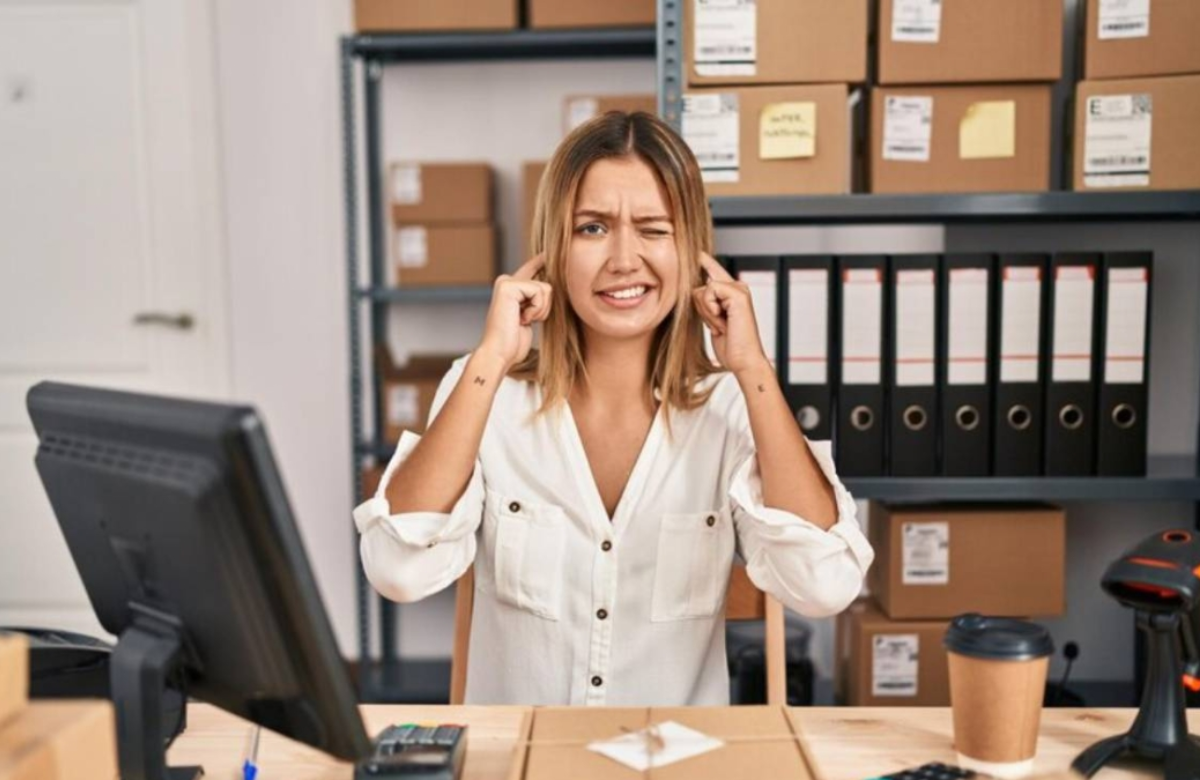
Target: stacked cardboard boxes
(408,391)
(550,14)
(578,109)
(1136,114)
(769,101)
(965,96)
(932,564)
(442,215)
(477,15)
(50,740)
(435,15)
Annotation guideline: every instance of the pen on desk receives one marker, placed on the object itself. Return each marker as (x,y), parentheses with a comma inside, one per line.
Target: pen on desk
(250,764)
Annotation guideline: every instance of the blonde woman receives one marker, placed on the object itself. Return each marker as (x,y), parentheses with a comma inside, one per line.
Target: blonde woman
(602,484)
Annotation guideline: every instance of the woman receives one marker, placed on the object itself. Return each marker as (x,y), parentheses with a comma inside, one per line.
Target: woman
(602,484)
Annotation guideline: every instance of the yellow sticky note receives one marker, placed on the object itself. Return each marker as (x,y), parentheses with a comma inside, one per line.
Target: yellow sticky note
(988,130)
(787,131)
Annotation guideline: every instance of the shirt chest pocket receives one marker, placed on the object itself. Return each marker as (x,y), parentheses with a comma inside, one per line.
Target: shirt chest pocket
(695,554)
(527,553)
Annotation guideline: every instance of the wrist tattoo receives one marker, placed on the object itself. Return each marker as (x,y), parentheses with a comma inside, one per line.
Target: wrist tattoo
(479,380)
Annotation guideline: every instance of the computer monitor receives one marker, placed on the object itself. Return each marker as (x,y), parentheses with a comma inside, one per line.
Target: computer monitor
(177,519)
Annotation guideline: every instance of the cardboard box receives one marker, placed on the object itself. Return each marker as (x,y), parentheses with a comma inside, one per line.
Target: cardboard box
(578,109)
(960,139)
(971,41)
(790,140)
(408,391)
(1137,134)
(60,740)
(435,255)
(942,561)
(531,177)
(440,192)
(370,477)
(884,663)
(1160,42)
(775,42)
(435,15)
(775,749)
(572,13)
(14,675)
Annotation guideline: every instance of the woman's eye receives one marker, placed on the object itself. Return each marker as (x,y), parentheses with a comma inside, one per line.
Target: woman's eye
(591,229)
(655,232)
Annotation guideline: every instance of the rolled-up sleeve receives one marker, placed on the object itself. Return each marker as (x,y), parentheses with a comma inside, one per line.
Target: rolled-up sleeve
(814,572)
(412,555)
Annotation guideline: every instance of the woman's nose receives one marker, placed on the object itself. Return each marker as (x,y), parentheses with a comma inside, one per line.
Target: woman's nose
(624,254)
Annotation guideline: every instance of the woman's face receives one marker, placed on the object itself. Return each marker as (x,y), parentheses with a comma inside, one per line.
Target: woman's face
(622,267)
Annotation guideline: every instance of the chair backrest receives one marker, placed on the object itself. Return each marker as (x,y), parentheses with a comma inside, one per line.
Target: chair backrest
(743,602)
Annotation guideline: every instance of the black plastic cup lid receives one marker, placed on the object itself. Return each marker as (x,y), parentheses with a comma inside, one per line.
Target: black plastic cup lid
(998,639)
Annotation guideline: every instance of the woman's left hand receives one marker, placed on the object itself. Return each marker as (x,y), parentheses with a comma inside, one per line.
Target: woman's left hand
(725,305)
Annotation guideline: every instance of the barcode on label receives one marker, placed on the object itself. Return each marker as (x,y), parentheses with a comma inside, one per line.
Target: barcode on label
(722,51)
(888,685)
(917,29)
(1120,159)
(1118,26)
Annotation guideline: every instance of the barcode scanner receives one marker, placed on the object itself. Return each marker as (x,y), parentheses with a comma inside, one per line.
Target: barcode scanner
(1159,579)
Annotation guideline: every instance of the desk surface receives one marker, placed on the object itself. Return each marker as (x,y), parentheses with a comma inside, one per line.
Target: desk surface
(846,743)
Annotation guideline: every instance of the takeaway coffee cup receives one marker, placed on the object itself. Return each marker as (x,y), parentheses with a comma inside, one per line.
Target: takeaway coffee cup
(997,681)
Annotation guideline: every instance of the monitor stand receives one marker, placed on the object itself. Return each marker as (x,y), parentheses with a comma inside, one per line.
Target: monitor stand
(142,664)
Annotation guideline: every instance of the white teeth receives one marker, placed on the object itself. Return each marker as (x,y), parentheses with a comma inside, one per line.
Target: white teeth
(631,292)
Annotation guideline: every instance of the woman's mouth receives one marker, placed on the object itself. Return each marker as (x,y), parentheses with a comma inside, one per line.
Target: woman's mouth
(626,297)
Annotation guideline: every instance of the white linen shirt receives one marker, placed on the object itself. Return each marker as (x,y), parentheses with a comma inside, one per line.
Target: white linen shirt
(574,608)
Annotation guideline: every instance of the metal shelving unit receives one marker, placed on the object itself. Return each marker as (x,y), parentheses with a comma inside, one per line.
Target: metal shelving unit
(1168,478)
(363,58)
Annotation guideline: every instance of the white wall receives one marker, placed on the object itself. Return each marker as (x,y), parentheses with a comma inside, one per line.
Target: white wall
(281,133)
(281,138)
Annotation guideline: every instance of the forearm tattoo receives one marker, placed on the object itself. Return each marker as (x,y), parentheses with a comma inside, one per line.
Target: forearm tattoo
(479,380)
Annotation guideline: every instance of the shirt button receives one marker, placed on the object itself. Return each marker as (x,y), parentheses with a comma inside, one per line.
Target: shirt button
(711,521)
(514,507)
(606,545)
(597,682)
(602,613)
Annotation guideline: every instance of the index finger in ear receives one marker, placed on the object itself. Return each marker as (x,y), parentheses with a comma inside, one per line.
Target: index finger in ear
(714,269)
(531,267)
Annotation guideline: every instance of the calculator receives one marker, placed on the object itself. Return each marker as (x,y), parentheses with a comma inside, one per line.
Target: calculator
(418,751)
(934,771)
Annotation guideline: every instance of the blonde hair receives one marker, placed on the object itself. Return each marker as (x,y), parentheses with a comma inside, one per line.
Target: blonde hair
(678,361)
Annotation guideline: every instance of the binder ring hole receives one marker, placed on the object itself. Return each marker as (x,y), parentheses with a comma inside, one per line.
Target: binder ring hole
(1071,417)
(862,418)
(808,417)
(967,418)
(1019,417)
(1124,416)
(1177,536)
(915,418)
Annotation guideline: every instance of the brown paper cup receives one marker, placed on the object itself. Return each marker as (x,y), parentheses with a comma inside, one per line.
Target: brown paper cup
(997,708)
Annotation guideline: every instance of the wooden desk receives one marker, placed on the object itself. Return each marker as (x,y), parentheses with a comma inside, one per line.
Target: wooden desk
(846,743)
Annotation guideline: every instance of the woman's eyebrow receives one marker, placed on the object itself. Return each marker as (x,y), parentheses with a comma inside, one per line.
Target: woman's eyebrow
(609,215)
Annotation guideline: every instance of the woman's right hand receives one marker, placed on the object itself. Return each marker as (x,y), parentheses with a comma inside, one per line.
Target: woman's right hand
(518,301)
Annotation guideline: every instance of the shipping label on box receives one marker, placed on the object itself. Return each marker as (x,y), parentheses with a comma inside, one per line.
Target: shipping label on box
(895,662)
(1123,19)
(907,128)
(925,556)
(412,247)
(726,38)
(1117,141)
(406,183)
(917,21)
(710,128)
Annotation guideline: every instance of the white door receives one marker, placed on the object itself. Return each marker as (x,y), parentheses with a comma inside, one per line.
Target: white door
(109,209)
